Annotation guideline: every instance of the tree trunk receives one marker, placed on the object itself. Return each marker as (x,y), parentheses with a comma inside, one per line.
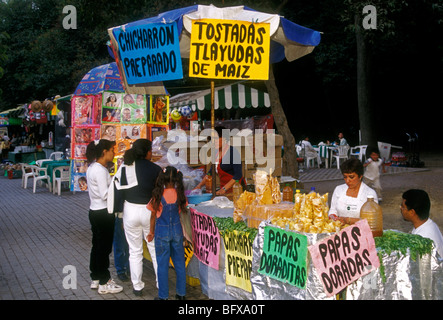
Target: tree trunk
(290,165)
(364,87)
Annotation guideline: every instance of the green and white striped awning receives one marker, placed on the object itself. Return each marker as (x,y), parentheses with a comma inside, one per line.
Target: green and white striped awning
(226,97)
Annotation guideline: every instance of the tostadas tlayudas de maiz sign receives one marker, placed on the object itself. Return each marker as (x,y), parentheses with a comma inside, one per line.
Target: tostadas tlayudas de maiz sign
(229,49)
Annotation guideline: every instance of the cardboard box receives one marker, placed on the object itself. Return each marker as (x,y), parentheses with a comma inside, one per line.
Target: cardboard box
(199,152)
(250,169)
(157,130)
(191,153)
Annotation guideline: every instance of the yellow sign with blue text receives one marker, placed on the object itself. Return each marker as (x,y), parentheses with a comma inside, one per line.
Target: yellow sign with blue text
(229,49)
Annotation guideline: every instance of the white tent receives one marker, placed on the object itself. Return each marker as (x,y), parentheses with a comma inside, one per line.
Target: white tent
(226,97)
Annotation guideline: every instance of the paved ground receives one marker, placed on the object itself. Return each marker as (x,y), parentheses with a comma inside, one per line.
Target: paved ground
(41,234)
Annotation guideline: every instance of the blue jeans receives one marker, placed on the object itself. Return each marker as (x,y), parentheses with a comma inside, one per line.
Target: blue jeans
(121,248)
(169,244)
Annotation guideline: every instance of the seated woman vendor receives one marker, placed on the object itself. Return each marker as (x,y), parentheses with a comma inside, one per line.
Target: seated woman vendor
(348,198)
(228,167)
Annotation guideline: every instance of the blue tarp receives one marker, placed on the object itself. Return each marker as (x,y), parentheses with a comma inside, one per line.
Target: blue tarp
(103,78)
(293,32)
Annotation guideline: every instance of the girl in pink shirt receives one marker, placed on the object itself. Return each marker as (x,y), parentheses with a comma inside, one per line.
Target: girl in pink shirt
(167,203)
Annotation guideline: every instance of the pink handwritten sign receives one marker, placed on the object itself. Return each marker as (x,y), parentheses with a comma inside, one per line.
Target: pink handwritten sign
(206,239)
(344,257)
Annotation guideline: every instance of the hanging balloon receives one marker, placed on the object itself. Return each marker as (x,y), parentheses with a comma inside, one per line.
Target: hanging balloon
(175,115)
(185,111)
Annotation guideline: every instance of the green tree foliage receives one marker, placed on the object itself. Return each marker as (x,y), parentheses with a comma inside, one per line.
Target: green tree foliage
(38,58)
(41,59)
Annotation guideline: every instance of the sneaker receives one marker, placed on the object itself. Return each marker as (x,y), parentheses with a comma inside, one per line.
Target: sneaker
(177,297)
(94,284)
(110,287)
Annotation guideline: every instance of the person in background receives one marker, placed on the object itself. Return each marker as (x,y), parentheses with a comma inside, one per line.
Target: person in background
(415,208)
(342,140)
(14,142)
(348,198)
(309,150)
(5,137)
(102,223)
(167,203)
(136,178)
(372,171)
(228,168)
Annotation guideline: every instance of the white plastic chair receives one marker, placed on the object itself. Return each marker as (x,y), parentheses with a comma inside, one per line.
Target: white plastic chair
(57,181)
(301,156)
(312,158)
(58,155)
(40,177)
(342,154)
(27,173)
(359,151)
(39,163)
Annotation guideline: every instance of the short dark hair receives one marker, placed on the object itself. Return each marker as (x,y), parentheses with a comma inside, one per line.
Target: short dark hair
(352,165)
(419,201)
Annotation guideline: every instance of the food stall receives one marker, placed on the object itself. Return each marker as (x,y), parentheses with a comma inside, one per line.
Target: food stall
(227,260)
(296,252)
(235,254)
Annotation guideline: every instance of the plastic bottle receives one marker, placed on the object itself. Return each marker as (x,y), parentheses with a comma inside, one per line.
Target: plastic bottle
(287,193)
(372,212)
(312,190)
(237,190)
(297,201)
(208,183)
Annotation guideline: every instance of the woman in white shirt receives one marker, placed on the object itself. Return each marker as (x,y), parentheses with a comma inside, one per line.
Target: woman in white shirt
(348,198)
(309,150)
(102,223)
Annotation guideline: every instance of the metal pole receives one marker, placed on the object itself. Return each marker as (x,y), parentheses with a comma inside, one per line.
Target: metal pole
(213,137)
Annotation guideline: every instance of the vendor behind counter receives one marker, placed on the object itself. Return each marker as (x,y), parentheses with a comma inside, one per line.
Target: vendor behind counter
(229,167)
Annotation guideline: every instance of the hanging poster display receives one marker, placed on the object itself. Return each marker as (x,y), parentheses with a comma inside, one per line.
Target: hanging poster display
(111,107)
(149,52)
(159,109)
(345,256)
(123,120)
(82,110)
(134,108)
(229,49)
(85,121)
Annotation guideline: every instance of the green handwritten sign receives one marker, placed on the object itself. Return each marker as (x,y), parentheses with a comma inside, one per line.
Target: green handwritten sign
(284,256)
